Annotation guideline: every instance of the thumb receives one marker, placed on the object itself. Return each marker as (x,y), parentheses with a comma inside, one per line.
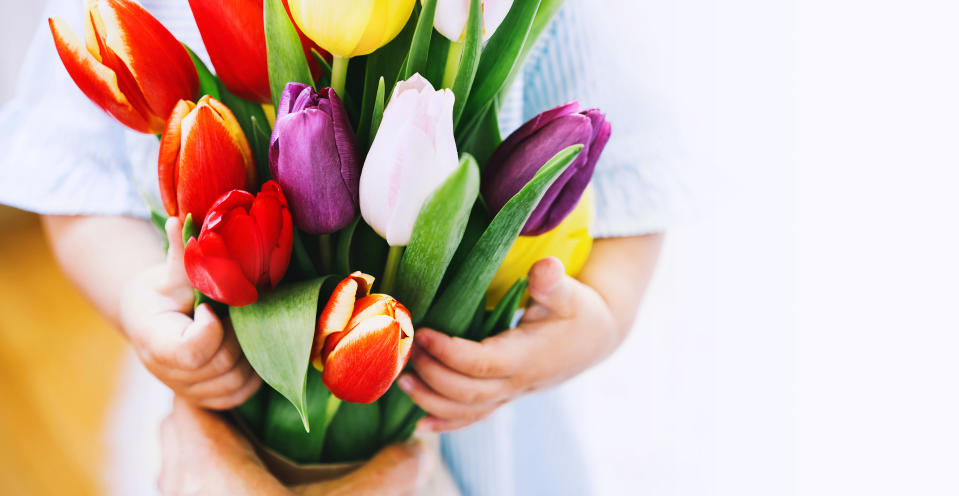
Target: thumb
(550,288)
(176,273)
(396,470)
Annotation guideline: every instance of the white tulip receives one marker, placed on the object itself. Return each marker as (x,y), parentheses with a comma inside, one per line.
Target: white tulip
(413,153)
(451,16)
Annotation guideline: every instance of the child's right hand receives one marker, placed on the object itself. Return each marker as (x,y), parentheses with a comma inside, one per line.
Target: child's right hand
(196,357)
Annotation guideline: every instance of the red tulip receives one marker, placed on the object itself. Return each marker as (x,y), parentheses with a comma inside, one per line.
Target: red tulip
(203,154)
(131,66)
(362,341)
(233,34)
(243,247)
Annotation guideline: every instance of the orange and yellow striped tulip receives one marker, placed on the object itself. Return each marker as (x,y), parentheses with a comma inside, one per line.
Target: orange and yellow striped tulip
(130,65)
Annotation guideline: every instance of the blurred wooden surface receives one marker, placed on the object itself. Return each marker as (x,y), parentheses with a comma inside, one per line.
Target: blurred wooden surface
(58,368)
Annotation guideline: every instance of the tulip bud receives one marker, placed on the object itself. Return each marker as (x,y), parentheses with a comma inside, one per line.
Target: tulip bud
(234,37)
(413,153)
(525,151)
(243,247)
(131,66)
(203,154)
(362,341)
(233,34)
(315,157)
(570,242)
(347,28)
(451,16)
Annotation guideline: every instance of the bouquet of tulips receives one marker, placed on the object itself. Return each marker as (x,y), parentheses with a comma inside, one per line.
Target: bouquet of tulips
(342,180)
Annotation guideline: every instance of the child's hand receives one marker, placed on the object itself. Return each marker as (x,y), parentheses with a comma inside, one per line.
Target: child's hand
(568,328)
(196,357)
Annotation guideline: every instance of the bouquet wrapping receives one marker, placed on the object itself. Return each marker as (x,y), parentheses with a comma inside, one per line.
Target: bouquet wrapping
(341,180)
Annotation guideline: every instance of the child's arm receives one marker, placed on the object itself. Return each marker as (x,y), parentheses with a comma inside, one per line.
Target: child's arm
(118,264)
(570,326)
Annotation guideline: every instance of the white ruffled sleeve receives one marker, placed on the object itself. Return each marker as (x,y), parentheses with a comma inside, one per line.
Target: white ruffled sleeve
(583,56)
(62,154)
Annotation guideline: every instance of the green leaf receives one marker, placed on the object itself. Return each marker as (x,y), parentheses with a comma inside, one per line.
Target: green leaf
(209,84)
(420,47)
(327,69)
(190,229)
(469,60)
(253,122)
(368,251)
(544,14)
(343,242)
(499,59)
(436,234)
(454,307)
(378,108)
(383,63)
(284,53)
(436,60)
(276,335)
(283,430)
(485,139)
(353,435)
(502,316)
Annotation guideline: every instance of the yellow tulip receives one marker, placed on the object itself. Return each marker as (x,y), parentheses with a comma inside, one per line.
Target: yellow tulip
(570,242)
(350,28)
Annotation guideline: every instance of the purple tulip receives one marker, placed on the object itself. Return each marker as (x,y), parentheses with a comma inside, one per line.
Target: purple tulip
(528,149)
(315,157)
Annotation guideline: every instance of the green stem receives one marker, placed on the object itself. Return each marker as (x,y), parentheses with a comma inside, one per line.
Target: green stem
(392,264)
(338,77)
(332,405)
(453,63)
(302,256)
(326,253)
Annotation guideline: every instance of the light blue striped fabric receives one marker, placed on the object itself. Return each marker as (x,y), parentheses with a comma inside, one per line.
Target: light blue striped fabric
(64,156)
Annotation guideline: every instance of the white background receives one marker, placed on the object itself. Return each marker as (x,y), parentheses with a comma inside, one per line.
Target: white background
(802,335)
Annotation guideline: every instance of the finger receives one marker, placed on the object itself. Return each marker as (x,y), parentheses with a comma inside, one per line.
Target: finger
(195,345)
(551,289)
(236,398)
(176,273)
(226,358)
(223,385)
(441,407)
(396,470)
(454,385)
(435,424)
(491,358)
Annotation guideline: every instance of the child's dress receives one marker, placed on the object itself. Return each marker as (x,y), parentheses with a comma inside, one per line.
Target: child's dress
(65,156)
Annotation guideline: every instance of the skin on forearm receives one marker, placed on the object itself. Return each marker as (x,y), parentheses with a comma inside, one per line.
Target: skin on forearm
(101,254)
(620,269)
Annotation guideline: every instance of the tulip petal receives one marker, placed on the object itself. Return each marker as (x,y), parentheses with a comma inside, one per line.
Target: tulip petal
(335,315)
(363,365)
(388,19)
(234,37)
(242,236)
(370,306)
(334,25)
(95,80)
(304,161)
(169,161)
(157,61)
(211,161)
(219,278)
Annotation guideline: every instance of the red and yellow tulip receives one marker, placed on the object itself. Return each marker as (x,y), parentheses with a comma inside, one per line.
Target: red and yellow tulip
(203,154)
(362,340)
(130,65)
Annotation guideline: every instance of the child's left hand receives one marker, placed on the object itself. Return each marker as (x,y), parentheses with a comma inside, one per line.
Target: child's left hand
(567,328)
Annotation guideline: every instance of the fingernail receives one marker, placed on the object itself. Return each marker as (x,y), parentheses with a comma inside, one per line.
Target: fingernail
(405,382)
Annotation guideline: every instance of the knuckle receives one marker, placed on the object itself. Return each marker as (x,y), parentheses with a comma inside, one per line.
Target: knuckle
(225,360)
(190,358)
